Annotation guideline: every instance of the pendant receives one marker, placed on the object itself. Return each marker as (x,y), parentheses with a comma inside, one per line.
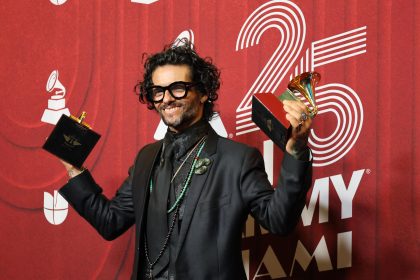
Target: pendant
(150,274)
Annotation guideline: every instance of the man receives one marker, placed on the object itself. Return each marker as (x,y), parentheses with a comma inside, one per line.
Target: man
(189,194)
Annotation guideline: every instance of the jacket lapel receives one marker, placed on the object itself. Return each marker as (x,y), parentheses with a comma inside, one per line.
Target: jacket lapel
(197,185)
(142,172)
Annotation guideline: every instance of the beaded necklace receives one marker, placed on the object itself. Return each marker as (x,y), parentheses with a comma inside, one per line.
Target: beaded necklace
(175,207)
(202,142)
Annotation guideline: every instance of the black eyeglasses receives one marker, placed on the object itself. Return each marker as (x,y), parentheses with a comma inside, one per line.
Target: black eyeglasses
(177,90)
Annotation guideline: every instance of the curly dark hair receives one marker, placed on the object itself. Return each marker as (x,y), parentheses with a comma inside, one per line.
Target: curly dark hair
(204,73)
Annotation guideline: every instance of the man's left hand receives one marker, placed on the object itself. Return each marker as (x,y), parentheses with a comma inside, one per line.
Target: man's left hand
(298,116)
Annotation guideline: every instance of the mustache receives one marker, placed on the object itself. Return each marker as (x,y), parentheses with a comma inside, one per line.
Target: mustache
(171,104)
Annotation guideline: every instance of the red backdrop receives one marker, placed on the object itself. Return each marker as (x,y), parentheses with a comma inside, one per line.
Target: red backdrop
(361,220)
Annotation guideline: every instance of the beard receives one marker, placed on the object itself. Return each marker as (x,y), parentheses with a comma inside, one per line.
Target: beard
(180,114)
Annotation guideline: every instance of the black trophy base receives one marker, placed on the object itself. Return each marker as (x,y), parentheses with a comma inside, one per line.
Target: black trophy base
(71,141)
(268,114)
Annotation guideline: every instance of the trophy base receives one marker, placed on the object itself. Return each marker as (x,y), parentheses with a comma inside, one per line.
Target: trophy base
(71,141)
(268,114)
(52,116)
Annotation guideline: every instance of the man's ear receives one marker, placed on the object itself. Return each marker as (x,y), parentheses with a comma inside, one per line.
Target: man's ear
(203,98)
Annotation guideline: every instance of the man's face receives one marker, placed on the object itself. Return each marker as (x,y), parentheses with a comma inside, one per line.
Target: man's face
(178,114)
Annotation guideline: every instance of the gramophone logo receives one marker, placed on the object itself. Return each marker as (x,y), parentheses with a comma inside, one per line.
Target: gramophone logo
(55,208)
(56,103)
(58,2)
(144,1)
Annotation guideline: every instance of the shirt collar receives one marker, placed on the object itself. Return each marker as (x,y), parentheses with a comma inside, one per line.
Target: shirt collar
(185,140)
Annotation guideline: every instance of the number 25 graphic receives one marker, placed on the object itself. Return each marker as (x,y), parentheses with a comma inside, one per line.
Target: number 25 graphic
(334,99)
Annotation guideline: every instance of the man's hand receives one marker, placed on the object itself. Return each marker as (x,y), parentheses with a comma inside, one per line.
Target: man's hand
(71,170)
(297,115)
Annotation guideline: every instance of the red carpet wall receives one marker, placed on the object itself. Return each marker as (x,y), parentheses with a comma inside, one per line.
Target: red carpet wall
(361,219)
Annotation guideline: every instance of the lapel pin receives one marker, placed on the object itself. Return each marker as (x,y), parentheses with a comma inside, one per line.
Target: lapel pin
(201,166)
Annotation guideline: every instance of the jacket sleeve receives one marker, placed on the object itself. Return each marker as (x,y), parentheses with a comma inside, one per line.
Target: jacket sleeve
(110,217)
(277,210)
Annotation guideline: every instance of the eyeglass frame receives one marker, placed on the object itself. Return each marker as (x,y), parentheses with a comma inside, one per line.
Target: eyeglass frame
(187,85)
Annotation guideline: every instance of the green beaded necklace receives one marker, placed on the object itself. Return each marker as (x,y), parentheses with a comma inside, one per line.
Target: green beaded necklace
(187,181)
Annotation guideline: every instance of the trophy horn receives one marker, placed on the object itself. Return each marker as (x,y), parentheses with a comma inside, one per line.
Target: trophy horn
(305,84)
(54,83)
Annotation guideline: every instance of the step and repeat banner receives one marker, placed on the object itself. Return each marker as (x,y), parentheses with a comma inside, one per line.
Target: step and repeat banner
(361,219)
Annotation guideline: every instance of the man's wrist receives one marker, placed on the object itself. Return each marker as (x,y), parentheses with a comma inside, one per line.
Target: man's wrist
(73,172)
(303,154)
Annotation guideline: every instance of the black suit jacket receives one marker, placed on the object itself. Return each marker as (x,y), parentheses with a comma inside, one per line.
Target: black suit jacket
(217,206)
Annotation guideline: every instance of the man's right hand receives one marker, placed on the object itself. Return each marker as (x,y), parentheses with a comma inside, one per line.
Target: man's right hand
(71,170)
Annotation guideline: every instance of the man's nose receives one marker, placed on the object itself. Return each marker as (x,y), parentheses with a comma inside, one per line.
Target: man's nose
(167,97)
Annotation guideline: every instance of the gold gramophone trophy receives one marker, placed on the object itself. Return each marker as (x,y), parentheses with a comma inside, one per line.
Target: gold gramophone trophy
(268,113)
(72,140)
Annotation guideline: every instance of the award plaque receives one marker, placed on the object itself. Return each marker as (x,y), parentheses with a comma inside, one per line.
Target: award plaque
(71,140)
(267,109)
